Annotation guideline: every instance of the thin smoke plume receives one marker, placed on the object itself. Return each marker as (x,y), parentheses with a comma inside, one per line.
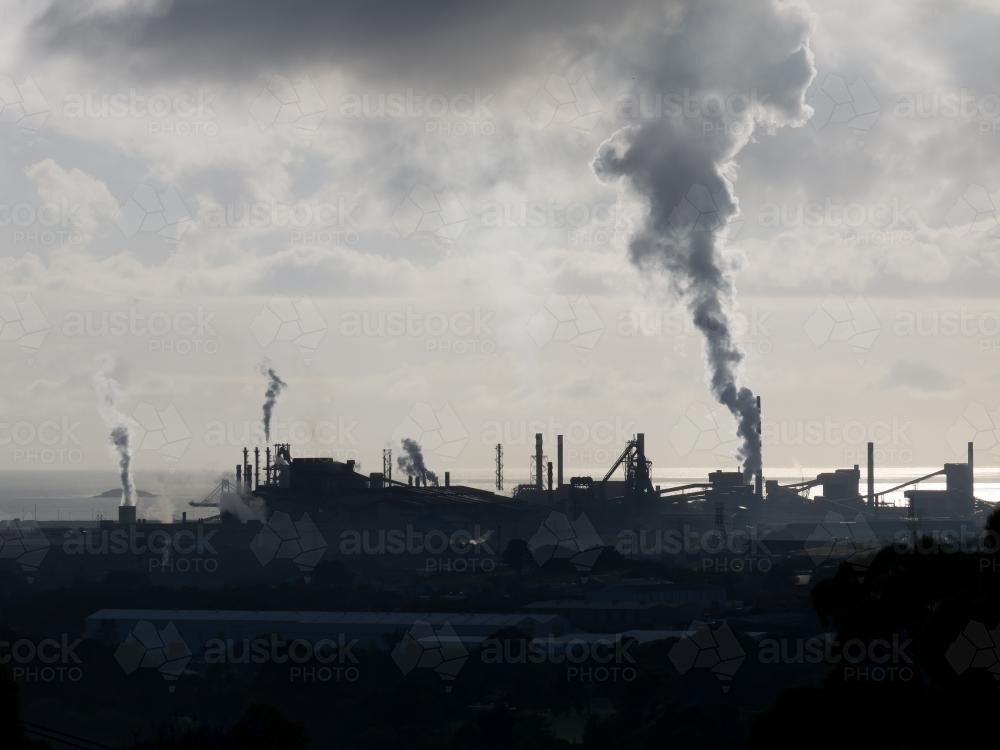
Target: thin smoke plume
(682,167)
(108,390)
(412,463)
(275,386)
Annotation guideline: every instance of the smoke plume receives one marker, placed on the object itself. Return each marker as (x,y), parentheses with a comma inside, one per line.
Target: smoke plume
(108,390)
(681,164)
(275,386)
(412,462)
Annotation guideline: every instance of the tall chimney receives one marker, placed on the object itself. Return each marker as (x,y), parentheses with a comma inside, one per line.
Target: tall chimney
(759,477)
(871,475)
(538,462)
(550,478)
(447,479)
(972,473)
(239,478)
(559,460)
(256,468)
(267,465)
(126,515)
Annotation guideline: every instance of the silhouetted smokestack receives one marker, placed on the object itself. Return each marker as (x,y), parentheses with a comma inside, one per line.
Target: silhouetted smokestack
(972,472)
(871,475)
(126,515)
(538,461)
(447,479)
(256,468)
(550,477)
(559,460)
(759,476)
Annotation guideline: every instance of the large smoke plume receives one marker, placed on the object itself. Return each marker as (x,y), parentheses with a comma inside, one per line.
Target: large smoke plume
(681,163)
(275,386)
(412,463)
(108,390)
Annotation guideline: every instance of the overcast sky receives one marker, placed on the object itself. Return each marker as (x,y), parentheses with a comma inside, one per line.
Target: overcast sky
(396,205)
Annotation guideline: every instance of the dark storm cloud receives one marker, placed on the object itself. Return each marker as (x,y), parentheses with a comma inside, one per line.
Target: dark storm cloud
(245,37)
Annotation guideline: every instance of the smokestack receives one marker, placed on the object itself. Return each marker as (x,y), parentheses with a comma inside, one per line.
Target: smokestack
(256,468)
(871,475)
(126,515)
(447,479)
(267,466)
(409,480)
(550,478)
(239,478)
(538,462)
(559,460)
(972,473)
(759,476)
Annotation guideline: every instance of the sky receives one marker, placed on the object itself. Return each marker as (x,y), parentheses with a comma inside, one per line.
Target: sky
(464,224)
